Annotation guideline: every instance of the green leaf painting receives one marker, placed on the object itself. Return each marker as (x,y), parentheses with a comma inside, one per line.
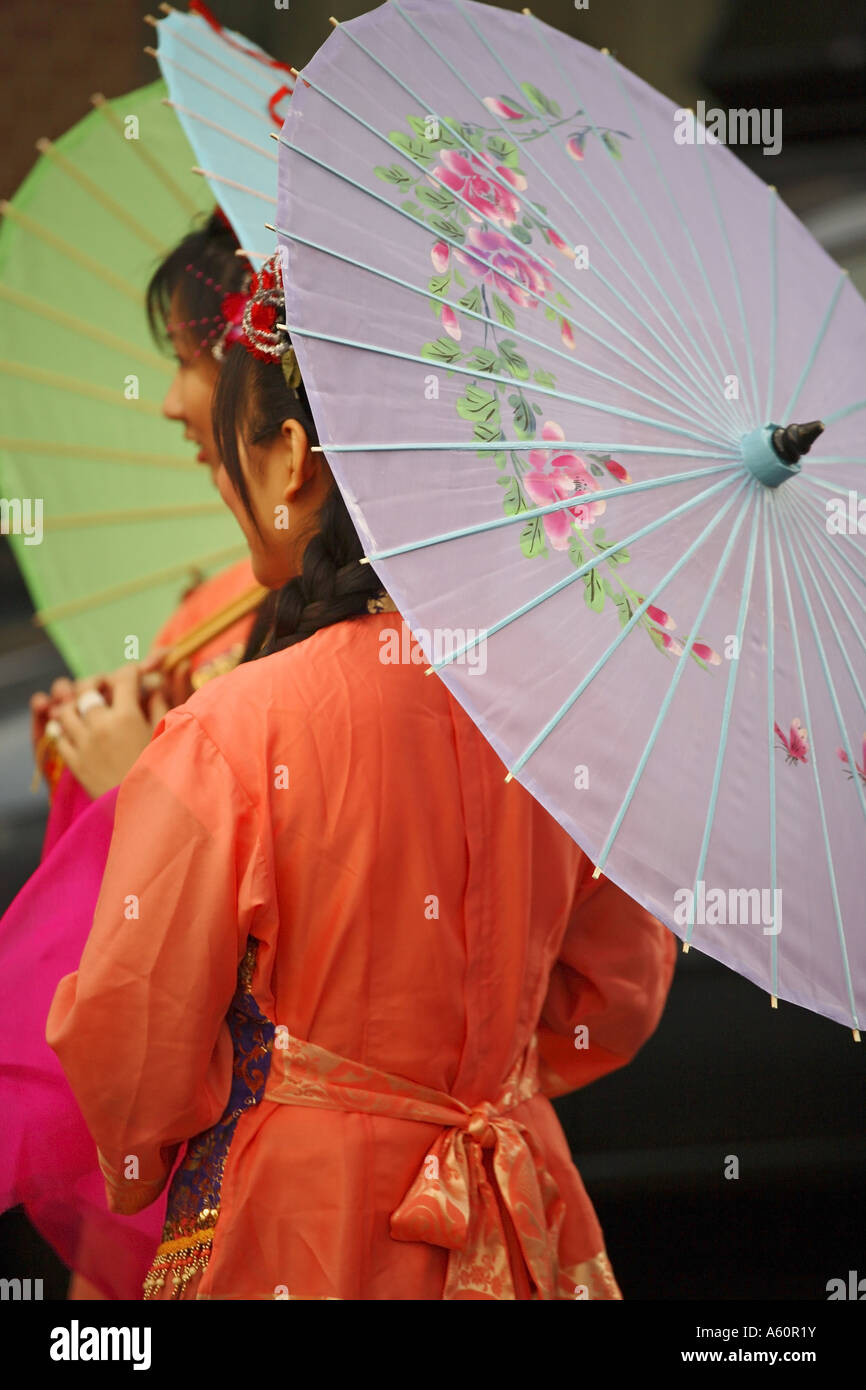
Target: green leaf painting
(443,350)
(544,105)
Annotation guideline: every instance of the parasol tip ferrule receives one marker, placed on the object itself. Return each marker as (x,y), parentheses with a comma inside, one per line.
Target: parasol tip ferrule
(773,452)
(794,441)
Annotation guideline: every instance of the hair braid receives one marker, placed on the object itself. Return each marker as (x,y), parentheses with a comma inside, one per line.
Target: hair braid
(333,584)
(252,400)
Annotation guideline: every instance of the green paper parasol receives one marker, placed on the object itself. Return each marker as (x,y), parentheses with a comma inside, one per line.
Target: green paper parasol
(128,519)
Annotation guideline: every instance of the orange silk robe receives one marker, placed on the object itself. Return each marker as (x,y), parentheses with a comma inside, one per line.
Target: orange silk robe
(344,962)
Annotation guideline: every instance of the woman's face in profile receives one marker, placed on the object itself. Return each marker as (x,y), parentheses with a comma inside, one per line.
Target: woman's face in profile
(190,394)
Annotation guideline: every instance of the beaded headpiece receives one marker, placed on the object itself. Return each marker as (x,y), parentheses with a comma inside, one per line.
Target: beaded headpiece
(264,335)
(253,318)
(250,316)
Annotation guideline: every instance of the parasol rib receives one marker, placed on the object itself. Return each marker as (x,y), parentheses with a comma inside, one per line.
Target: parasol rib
(639,204)
(515,193)
(94,453)
(503,275)
(738,289)
(774,305)
(72,521)
(72,253)
(821,535)
(833,459)
(708,382)
(483,318)
(677,209)
(83,388)
(76,324)
(633,620)
(797,522)
(677,676)
(477,445)
(239,54)
(494,524)
(840,928)
(139,146)
(223,92)
(135,586)
(233,71)
(211,627)
(703,405)
(771,727)
(98,194)
(221,129)
(508,381)
(233,183)
(819,338)
(830,487)
(571,579)
(844,410)
(730,691)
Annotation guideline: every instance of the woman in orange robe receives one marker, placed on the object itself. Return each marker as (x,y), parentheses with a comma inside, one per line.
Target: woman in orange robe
(339,958)
(47,1160)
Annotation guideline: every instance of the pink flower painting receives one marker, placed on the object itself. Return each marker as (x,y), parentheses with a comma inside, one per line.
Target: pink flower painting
(470,176)
(491,256)
(555,479)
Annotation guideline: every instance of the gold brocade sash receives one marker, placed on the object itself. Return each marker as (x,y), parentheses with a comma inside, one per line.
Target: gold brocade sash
(451,1202)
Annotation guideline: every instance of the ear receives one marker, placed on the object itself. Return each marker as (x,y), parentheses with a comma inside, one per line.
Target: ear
(299,462)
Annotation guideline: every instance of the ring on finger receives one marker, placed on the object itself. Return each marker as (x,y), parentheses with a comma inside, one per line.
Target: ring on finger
(91,699)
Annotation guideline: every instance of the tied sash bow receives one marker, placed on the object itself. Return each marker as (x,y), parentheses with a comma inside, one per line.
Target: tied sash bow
(455,1201)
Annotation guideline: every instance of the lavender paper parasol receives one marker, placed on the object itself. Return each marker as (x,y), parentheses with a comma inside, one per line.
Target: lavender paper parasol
(553,347)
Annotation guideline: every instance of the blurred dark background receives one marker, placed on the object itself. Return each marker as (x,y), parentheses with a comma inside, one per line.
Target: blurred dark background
(782,1090)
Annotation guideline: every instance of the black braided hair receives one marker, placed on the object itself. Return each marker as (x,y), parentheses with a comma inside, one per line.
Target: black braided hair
(252,399)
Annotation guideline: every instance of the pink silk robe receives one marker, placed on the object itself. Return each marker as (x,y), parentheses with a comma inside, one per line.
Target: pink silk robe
(47,1157)
(346,961)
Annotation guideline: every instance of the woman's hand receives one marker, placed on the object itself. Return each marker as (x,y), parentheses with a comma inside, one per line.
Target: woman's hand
(42,706)
(100,746)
